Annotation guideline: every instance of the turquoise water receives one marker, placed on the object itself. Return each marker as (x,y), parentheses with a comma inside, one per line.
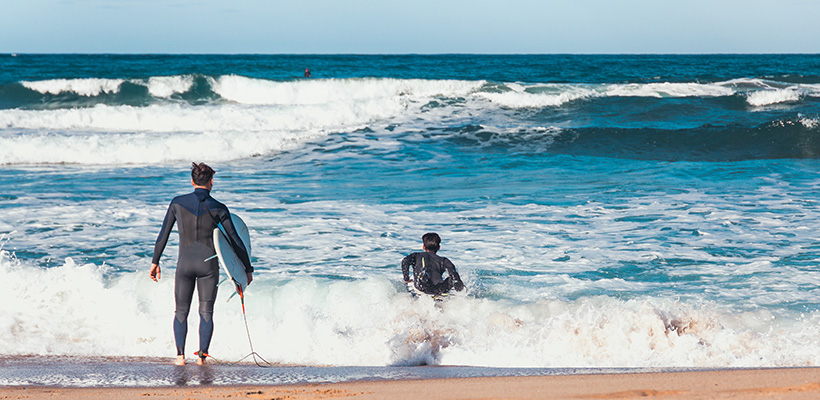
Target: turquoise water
(605,211)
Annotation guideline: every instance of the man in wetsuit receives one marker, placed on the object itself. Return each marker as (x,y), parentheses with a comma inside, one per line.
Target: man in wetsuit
(198,214)
(428,268)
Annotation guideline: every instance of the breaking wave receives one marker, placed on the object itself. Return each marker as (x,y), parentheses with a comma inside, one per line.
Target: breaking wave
(81,310)
(168,118)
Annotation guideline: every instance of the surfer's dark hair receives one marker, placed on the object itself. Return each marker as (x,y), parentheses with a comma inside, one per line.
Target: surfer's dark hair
(201,173)
(432,241)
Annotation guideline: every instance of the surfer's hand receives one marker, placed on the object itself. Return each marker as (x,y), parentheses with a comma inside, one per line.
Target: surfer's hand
(155,272)
(250,277)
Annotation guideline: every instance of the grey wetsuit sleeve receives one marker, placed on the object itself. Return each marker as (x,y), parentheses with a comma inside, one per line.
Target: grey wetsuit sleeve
(451,270)
(164,233)
(406,263)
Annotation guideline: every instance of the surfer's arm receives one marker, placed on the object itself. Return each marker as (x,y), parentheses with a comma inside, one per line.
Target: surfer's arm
(236,241)
(451,270)
(406,262)
(164,234)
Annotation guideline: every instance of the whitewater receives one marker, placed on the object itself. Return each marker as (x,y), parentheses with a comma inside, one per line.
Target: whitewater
(604,211)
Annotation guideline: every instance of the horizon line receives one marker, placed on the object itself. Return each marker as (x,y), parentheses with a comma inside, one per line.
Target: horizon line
(406,54)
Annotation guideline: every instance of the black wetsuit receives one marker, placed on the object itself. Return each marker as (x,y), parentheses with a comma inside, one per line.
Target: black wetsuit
(198,214)
(428,269)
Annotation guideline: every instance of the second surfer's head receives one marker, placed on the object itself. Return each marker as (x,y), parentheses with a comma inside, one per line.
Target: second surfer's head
(201,174)
(432,242)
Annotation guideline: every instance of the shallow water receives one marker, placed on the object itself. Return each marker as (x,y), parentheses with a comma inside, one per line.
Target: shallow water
(89,372)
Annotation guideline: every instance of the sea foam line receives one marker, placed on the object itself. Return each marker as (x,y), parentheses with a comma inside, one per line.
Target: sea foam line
(83,87)
(245,90)
(756,91)
(768,97)
(257,91)
(314,321)
(158,86)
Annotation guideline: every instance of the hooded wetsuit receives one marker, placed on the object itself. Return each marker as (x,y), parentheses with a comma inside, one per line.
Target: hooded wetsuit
(198,214)
(428,269)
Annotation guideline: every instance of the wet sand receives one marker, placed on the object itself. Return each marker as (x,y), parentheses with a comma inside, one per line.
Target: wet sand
(780,383)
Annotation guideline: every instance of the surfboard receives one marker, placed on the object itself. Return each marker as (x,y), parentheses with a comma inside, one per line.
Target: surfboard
(415,292)
(228,259)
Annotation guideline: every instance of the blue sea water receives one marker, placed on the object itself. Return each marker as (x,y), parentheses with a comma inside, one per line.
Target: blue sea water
(605,211)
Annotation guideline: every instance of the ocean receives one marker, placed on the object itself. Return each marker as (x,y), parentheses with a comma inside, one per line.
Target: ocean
(605,211)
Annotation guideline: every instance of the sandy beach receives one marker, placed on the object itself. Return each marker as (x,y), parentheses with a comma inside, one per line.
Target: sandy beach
(782,383)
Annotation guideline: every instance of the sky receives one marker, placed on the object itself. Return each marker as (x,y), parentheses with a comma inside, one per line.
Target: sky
(416,26)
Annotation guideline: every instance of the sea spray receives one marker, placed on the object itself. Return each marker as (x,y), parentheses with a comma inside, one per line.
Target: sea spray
(76,310)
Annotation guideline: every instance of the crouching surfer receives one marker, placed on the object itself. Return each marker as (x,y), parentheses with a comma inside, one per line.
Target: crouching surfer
(428,268)
(198,214)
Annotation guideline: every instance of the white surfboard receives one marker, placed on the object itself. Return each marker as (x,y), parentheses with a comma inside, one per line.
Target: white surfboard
(228,259)
(415,292)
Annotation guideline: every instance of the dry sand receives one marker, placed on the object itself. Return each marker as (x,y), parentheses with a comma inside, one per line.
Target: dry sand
(782,383)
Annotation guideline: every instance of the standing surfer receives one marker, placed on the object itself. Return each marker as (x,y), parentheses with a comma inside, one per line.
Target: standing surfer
(198,214)
(428,268)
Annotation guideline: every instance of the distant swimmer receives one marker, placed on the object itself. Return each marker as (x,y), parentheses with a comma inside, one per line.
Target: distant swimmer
(198,214)
(307,73)
(428,268)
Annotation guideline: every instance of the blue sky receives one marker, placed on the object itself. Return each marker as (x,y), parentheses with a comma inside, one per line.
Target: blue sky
(417,26)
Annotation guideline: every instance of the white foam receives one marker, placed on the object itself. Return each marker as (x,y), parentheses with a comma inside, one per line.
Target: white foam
(552,95)
(245,90)
(668,89)
(264,117)
(83,87)
(539,95)
(526,311)
(158,86)
(758,92)
(258,91)
(167,86)
(75,309)
(768,97)
(141,148)
(159,133)
(810,123)
(748,83)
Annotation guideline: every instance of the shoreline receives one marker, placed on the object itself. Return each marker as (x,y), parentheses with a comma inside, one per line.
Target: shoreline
(769,383)
(148,372)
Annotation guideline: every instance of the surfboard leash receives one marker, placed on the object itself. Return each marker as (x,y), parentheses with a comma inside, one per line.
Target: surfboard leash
(264,363)
(253,352)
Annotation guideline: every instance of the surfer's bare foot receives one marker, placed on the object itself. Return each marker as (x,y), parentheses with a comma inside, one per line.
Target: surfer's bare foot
(200,361)
(180,360)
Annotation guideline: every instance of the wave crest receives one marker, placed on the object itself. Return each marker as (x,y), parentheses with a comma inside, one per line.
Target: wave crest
(124,134)
(552,95)
(83,87)
(167,86)
(257,91)
(769,97)
(667,89)
(254,91)
(158,86)
(537,96)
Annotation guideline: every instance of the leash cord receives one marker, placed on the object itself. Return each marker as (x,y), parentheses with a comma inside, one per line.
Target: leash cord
(256,357)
